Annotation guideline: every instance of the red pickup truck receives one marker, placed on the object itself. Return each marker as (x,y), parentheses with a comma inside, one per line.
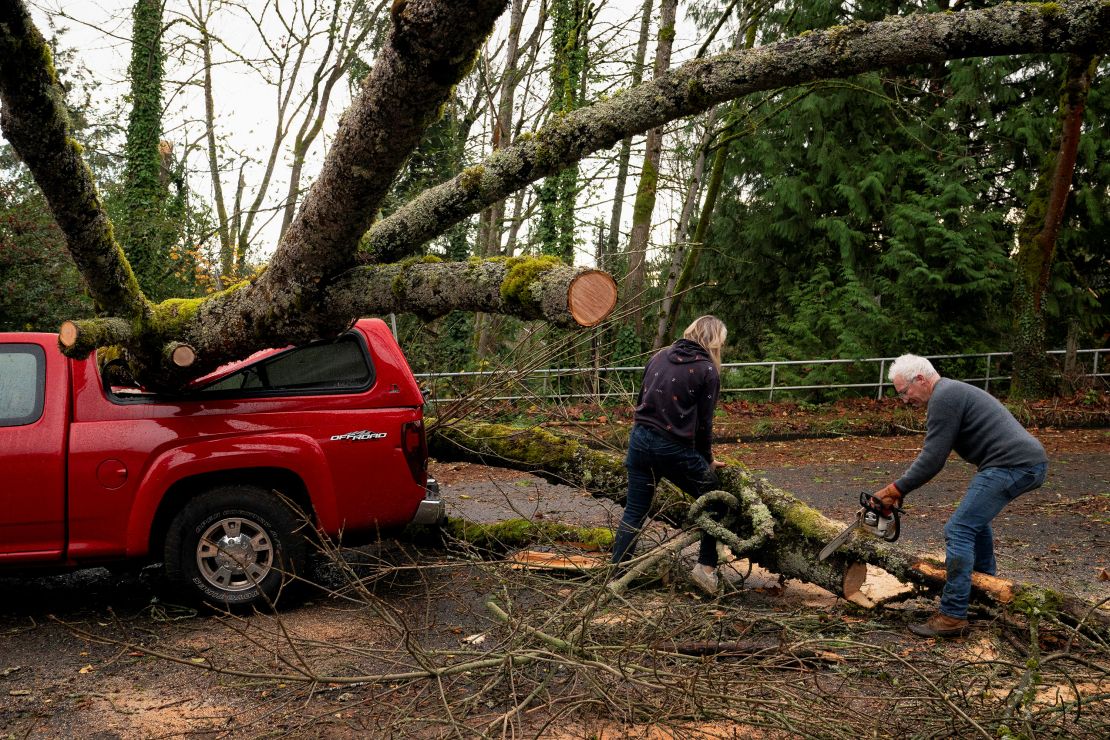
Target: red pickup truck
(218,481)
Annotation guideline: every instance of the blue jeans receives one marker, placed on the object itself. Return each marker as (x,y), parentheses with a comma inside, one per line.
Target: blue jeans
(653,455)
(968,540)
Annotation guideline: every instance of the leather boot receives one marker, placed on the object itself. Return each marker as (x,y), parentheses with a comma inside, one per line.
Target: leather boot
(940,625)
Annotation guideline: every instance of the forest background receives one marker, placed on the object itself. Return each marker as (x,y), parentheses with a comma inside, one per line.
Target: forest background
(864,217)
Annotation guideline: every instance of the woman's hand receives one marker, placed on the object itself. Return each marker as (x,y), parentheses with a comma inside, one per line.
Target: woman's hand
(716,464)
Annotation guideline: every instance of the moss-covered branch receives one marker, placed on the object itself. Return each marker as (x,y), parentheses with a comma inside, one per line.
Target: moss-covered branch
(525,287)
(841,51)
(500,537)
(35,121)
(78,338)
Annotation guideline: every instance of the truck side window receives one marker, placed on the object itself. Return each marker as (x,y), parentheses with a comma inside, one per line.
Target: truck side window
(325,366)
(22,384)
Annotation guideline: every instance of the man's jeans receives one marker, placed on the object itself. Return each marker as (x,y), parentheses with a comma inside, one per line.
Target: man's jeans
(653,455)
(969,542)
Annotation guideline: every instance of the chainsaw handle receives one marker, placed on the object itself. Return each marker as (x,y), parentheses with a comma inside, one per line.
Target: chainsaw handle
(871,502)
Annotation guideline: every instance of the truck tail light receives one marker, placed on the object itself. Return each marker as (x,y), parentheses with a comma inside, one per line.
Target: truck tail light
(415,447)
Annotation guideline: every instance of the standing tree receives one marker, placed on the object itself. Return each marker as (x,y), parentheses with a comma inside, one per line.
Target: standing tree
(150,209)
(316,282)
(570,20)
(1040,228)
(649,180)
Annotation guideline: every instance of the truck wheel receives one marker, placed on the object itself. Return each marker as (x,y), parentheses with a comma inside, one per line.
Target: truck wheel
(234,546)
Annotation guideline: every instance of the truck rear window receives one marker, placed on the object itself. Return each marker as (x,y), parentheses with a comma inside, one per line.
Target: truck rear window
(326,366)
(22,384)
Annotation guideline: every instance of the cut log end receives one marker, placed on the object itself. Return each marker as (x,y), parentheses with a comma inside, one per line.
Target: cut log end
(591,297)
(534,560)
(183,355)
(67,334)
(854,578)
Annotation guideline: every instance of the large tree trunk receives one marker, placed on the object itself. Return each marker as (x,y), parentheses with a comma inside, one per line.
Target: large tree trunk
(1037,234)
(528,287)
(800,531)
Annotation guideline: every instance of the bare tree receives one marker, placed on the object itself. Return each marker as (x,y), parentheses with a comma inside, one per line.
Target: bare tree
(649,178)
(318,46)
(625,155)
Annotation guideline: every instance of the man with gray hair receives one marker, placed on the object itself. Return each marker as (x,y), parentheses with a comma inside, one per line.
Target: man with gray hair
(982,431)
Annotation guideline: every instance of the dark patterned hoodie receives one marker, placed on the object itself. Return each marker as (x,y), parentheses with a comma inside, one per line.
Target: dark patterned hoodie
(679,394)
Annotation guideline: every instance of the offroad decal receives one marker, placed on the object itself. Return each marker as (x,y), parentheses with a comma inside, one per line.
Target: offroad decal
(359,436)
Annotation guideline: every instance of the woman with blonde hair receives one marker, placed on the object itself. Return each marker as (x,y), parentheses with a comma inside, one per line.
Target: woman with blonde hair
(673,435)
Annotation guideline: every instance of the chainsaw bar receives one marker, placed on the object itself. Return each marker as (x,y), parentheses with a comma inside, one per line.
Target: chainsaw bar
(841,538)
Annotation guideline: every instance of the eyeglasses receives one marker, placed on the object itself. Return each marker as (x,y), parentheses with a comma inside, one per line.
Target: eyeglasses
(902,393)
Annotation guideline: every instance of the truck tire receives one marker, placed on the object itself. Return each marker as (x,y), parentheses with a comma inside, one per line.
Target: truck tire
(234,547)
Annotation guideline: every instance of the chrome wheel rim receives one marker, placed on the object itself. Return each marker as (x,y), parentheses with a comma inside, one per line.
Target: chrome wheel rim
(235,554)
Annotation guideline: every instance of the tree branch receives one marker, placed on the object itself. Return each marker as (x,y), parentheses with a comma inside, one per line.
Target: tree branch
(698,85)
(35,121)
(528,288)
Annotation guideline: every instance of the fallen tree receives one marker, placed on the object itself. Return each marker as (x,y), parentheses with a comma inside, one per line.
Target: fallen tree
(799,530)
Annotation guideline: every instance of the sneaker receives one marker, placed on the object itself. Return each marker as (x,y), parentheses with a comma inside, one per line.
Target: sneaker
(705,580)
(940,625)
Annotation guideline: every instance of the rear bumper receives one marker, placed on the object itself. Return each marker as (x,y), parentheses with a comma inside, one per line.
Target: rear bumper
(432,509)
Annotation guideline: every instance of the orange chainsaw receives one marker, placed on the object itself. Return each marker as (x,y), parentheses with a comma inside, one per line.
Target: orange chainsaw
(883,521)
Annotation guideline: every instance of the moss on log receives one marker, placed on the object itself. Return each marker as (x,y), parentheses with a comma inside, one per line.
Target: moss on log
(512,534)
(550,456)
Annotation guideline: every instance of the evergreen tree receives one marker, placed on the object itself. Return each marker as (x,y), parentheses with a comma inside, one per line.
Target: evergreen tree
(876,215)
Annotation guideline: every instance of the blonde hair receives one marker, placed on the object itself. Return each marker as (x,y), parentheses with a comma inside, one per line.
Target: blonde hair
(710,332)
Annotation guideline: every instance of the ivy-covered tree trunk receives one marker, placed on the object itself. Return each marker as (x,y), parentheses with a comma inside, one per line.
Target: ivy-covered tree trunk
(144,229)
(559,192)
(1033,373)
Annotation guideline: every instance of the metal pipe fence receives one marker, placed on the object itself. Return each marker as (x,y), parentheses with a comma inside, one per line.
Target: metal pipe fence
(768,377)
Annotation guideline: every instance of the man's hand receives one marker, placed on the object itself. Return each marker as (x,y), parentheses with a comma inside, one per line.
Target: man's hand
(716,464)
(891,498)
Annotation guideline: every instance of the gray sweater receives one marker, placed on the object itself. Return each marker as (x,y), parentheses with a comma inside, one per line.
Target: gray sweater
(977,426)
